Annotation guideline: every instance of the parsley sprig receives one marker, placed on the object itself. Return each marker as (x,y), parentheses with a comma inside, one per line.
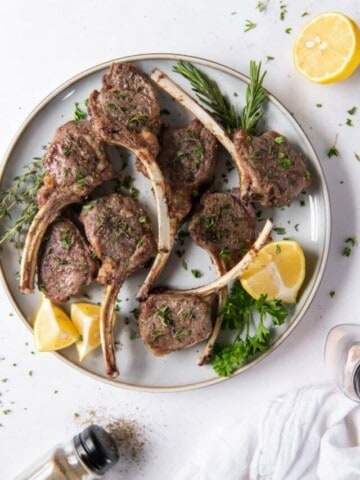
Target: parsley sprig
(239,314)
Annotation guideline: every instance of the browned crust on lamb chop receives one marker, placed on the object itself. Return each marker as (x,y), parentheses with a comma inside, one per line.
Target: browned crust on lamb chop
(119,231)
(75,163)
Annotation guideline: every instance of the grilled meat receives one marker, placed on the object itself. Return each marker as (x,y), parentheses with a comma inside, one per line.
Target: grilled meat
(120,232)
(271,171)
(65,262)
(275,172)
(225,227)
(75,164)
(126,112)
(170,322)
(187,159)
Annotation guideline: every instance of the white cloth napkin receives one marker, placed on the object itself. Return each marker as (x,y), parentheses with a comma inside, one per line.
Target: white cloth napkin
(310,433)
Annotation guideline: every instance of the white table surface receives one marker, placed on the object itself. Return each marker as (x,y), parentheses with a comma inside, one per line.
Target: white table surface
(42,44)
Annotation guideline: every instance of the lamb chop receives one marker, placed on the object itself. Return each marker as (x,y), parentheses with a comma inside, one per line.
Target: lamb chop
(65,262)
(187,160)
(271,171)
(126,113)
(120,232)
(172,320)
(225,227)
(75,163)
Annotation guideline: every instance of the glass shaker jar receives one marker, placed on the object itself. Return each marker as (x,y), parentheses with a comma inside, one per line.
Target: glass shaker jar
(88,456)
(342,358)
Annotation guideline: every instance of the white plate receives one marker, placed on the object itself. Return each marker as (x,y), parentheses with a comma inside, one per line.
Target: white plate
(178,371)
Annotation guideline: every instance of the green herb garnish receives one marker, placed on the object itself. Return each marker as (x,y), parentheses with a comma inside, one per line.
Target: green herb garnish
(286,163)
(66,240)
(79,114)
(164,315)
(196,273)
(333,151)
(283,11)
(249,25)
(261,6)
(352,111)
(279,140)
(198,152)
(138,118)
(180,335)
(350,243)
(209,93)
(256,95)
(239,313)
(79,179)
(155,334)
(225,252)
(21,194)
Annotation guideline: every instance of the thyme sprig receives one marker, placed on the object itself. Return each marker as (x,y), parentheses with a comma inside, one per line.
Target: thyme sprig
(21,193)
(209,93)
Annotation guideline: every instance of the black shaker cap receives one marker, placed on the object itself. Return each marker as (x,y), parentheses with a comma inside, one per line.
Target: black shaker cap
(96,449)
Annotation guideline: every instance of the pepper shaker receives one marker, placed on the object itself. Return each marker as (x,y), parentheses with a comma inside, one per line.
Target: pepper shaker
(88,456)
(342,358)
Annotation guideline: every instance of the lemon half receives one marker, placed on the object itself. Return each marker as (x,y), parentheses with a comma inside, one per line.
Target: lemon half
(278,270)
(328,48)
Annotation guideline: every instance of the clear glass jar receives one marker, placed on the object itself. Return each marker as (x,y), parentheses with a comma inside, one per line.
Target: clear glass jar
(342,358)
(88,456)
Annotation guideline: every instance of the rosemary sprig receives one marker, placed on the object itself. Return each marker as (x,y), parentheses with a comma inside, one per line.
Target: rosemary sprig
(23,191)
(256,95)
(209,93)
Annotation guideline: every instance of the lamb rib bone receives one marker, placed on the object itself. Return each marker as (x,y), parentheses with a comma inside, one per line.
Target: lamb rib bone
(181,96)
(179,301)
(127,95)
(226,209)
(45,216)
(73,151)
(182,180)
(124,245)
(238,269)
(222,298)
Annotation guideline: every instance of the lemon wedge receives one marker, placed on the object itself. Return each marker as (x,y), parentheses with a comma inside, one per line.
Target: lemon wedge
(86,318)
(328,48)
(278,270)
(53,329)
